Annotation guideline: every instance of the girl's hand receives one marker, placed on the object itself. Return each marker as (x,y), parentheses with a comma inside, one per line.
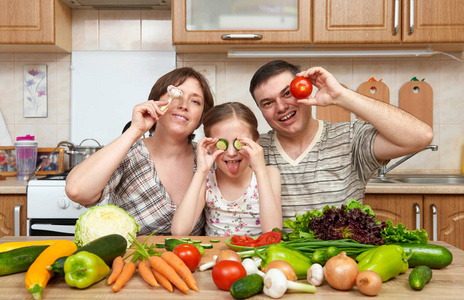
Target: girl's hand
(207,154)
(146,114)
(255,152)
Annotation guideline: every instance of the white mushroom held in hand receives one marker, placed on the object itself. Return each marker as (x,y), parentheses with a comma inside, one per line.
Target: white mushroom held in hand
(174,93)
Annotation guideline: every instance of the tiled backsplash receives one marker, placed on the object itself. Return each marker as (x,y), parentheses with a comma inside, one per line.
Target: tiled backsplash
(229,79)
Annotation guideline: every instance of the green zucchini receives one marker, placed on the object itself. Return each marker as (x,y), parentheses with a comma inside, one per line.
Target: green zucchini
(247,286)
(19,259)
(106,247)
(237,145)
(432,256)
(419,277)
(222,144)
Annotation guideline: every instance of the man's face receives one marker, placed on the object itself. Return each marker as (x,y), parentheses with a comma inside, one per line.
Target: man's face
(280,108)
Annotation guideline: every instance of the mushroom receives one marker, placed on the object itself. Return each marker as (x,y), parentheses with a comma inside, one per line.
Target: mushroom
(174,93)
(276,284)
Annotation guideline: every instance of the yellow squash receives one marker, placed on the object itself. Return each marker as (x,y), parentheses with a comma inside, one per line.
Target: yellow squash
(37,275)
(15,245)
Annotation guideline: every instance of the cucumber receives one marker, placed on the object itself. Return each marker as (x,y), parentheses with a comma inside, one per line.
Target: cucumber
(247,286)
(222,144)
(432,256)
(419,277)
(238,145)
(196,241)
(170,244)
(206,246)
(19,259)
(106,247)
(214,241)
(159,245)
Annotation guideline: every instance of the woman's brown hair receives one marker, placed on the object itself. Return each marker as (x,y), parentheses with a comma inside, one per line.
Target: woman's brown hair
(229,110)
(177,77)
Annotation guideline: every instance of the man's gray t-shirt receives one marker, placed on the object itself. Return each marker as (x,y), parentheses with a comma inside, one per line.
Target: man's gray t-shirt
(332,170)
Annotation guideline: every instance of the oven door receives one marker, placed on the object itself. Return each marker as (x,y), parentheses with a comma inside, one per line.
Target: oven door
(51,227)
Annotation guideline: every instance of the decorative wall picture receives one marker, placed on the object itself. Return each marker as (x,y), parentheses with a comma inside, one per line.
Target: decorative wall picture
(7,161)
(53,164)
(35,91)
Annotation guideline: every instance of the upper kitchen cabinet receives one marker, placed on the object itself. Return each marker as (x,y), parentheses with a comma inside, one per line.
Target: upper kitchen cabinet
(433,21)
(356,21)
(216,26)
(35,26)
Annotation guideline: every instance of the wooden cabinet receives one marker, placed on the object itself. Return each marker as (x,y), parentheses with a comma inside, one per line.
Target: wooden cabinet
(442,216)
(388,22)
(216,26)
(35,26)
(13,213)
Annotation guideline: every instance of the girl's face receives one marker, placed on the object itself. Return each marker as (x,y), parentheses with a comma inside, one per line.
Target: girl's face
(232,162)
(183,114)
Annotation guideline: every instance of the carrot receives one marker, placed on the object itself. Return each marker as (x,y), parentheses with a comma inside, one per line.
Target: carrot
(118,264)
(163,281)
(162,267)
(181,268)
(127,271)
(147,275)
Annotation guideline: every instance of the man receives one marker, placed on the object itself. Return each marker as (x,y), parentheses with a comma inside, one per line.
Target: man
(323,163)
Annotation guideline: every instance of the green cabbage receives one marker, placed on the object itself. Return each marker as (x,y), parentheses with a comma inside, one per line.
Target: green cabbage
(103,220)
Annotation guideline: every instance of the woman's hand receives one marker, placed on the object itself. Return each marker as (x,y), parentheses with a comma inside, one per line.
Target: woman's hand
(207,154)
(146,114)
(255,152)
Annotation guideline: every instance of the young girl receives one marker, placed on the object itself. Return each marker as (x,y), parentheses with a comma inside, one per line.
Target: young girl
(242,195)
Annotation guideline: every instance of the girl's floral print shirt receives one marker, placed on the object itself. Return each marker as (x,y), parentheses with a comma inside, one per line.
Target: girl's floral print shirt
(237,217)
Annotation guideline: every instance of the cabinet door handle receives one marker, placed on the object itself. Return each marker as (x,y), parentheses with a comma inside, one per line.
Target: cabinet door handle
(17,220)
(411,16)
(241,36)
(434,222)
(397,17)
(418,215)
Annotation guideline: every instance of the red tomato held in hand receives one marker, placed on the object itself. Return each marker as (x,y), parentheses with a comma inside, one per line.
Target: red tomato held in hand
(227,272)
(301,87)
(189,254)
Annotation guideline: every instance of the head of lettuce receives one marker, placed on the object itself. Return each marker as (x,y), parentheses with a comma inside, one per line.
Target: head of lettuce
(103,220)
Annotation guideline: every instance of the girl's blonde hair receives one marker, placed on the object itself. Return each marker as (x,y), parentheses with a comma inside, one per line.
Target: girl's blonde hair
(227,111)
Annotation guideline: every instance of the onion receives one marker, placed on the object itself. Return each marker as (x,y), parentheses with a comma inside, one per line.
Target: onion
(340,272)
(283,266)
(369,283)
(228,255)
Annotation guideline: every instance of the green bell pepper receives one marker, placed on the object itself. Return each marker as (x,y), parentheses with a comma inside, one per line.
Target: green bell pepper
(295,258)
(388,261)
(84,269)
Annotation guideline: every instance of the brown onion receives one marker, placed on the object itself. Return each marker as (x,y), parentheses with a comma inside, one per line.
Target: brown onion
(283,266)
(369,282)
(340,272)
(229,255)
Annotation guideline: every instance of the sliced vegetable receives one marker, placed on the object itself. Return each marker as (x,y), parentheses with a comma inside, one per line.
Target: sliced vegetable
(37,275)
(19,259)
(84,269)
(238,145)
(285,236)
(170,244)
(419,277)
(222,144)
(213,241)
(206,246)
(159,245)
(247,286)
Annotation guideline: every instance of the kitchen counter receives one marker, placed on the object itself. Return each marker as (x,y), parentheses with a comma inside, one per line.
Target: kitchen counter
(447,283)
(13,186)
(374,188)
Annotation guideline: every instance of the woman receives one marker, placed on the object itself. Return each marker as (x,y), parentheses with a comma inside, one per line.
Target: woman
(149,177)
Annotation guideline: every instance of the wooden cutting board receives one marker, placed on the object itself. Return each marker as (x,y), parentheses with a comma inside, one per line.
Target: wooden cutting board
(376,90)
(419,102)
(333,113)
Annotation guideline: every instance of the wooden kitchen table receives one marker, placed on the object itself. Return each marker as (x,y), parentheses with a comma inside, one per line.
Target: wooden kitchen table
(447,283)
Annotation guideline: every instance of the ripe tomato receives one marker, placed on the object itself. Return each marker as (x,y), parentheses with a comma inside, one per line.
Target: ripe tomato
(242,240)
(267,238)
(301,87)
(189,254)
(227,272)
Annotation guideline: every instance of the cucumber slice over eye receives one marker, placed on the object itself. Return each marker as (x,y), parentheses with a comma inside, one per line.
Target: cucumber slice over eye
(238,145)
(222,144)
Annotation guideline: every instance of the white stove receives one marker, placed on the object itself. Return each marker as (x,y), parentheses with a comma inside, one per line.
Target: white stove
(49,210)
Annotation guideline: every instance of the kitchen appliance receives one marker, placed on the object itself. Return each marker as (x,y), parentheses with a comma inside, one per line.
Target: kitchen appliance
(49,211)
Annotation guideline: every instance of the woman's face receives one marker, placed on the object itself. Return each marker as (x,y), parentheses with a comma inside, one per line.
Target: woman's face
(232,162)
(183,115)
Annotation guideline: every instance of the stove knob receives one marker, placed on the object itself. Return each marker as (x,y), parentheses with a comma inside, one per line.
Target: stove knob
(63,203)
(76,205)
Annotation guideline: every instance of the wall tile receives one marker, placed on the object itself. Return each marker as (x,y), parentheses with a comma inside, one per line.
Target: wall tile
(85,29)
(156,30)
(7,100)
(63,93)
(119,30)
(451,147)
(6,57)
